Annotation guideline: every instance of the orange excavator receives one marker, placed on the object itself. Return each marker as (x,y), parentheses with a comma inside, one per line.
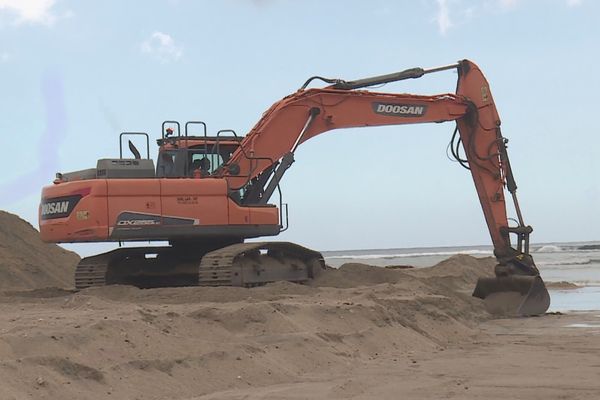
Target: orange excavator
(207,194)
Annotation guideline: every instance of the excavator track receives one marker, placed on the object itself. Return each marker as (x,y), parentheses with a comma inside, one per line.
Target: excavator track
(91,271)
(252,264)
(143,267)
(242,264)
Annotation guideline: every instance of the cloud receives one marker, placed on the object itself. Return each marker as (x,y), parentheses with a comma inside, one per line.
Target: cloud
(162,46)
(508,4)
(33,11)
(5,57)
(574,3)
(443,17)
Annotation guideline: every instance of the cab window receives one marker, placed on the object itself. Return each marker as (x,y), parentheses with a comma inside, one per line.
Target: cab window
(165,166)
(196,159)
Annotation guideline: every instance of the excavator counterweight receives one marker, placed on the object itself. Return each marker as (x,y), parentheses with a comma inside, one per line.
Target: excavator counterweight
(208,194)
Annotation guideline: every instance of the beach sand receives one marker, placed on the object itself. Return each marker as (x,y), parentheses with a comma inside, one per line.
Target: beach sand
(358,332)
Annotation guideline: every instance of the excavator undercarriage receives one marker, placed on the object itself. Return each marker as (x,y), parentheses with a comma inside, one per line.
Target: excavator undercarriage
(240,264)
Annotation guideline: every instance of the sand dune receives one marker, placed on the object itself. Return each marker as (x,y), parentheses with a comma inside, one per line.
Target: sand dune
(28,263)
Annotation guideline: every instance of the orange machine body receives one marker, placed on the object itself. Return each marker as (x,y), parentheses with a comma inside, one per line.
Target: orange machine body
(182,207)
(151,209)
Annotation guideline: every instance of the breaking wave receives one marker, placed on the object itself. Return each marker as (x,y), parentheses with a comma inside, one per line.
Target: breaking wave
(549,248)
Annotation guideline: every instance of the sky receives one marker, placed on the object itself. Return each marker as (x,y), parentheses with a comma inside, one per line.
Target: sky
(77,73)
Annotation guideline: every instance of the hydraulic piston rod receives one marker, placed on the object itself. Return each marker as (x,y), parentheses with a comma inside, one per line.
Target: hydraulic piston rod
(411,73)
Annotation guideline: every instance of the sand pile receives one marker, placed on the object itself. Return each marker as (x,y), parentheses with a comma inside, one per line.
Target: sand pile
(458,273)
(181,343)
(28,263)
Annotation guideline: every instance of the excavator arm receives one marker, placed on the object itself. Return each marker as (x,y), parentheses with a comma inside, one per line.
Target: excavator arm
(267,151)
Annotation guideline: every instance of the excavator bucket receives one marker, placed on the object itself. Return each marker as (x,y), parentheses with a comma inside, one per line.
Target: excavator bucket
(516,295)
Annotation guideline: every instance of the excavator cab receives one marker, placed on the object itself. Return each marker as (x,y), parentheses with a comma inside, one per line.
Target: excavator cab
(188,154)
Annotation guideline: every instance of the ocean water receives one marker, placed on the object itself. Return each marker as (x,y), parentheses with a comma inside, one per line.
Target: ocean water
(576,262)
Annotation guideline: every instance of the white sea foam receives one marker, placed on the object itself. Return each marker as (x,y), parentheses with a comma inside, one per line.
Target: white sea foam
(582,326)
(586,282)
(407,255)
(570,261)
